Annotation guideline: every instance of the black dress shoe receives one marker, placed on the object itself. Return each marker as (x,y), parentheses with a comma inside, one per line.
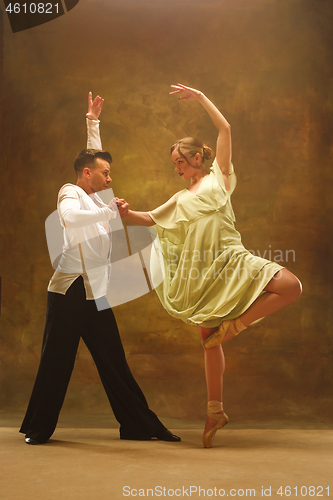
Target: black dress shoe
(162,435)
(31,441)
(132,437)
(166,435)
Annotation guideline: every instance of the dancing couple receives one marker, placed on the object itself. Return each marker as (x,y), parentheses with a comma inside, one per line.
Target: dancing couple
(209,279)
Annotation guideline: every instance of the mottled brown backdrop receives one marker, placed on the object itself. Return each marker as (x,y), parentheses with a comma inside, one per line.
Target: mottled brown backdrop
(267,64)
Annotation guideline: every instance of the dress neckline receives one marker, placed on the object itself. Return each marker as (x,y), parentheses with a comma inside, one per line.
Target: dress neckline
(194,194)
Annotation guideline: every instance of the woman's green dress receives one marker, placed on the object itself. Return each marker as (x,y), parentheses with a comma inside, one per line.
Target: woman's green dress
(201,271)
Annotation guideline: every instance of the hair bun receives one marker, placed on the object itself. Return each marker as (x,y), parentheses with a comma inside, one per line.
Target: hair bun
(189,147)
(207,152)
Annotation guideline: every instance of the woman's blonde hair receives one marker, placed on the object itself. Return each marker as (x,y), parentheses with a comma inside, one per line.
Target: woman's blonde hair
(191,146)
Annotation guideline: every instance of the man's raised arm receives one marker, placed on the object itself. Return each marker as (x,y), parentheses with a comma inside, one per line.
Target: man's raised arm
(92,119)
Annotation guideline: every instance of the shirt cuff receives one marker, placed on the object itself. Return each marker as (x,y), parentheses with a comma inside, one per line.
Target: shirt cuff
(93,134)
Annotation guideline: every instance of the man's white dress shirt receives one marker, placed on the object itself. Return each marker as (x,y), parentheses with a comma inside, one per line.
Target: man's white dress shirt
(87,235)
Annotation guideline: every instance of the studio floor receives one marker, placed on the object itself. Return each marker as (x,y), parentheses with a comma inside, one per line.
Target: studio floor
(93,463)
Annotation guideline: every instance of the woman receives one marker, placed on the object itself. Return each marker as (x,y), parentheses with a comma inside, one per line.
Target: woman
(209,278)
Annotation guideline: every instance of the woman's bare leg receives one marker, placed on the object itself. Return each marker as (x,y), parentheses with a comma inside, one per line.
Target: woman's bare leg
(214,369)
(282,289)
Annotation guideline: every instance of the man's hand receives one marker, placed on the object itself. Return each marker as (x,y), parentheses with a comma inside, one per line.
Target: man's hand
(94,107)
(123,207)
(113,205)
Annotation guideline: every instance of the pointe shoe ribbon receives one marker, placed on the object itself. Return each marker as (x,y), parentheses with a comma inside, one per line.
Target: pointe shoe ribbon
(221,420)
(234,326)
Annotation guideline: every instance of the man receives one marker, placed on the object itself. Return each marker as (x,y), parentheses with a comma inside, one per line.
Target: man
(77,306)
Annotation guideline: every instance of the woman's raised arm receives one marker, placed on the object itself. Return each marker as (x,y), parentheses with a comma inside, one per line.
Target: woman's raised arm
(223,144)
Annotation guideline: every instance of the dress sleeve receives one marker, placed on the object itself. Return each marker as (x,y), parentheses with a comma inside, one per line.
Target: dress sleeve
(93,135)
(166,215)
(219,177)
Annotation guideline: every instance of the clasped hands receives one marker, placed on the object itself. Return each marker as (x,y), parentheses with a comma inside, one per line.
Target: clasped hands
(121,205)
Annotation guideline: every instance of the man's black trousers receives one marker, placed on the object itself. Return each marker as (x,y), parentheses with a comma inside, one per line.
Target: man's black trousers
(68,318)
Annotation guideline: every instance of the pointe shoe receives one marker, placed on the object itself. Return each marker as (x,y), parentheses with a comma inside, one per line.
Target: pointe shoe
(221,420)
(234,326)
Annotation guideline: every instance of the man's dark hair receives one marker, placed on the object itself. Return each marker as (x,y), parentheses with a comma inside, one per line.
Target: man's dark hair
(87,157)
